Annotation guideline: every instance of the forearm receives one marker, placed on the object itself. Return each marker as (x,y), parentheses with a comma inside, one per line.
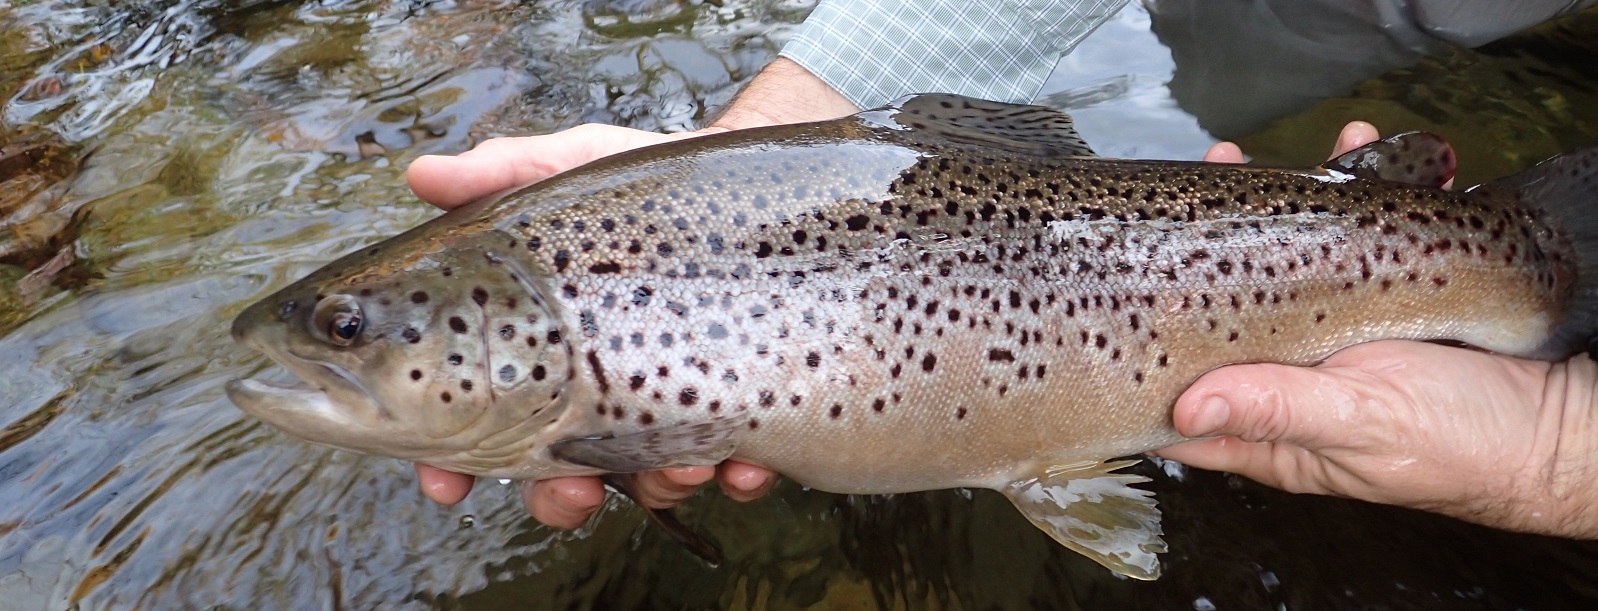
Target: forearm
(782,93)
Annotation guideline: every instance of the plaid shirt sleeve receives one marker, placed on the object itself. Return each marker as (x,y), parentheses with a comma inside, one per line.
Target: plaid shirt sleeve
(873,52)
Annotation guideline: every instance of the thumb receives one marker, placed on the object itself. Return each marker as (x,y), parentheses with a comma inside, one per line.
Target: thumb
(1258,403)
(1265,422)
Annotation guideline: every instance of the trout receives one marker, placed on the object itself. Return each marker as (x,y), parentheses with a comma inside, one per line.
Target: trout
(942,292)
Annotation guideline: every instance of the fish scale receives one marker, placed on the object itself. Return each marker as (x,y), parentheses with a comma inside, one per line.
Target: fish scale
(943,292)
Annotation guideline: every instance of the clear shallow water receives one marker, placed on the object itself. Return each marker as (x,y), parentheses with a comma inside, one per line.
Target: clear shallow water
(181,159)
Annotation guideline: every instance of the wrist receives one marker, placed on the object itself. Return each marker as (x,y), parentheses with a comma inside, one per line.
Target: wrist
(1560,498)
(783,92)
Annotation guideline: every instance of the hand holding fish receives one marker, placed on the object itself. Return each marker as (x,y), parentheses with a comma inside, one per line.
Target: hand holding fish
(1489,439)
(1395,422)
(692,302)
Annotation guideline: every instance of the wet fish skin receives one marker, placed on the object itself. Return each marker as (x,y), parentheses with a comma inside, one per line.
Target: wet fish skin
(941,293)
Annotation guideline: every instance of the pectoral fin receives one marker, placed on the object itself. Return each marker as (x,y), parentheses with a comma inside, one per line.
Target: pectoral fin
(688,445)
(1096,513)
(697,544)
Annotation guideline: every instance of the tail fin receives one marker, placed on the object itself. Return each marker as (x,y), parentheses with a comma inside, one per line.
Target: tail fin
(1564,190)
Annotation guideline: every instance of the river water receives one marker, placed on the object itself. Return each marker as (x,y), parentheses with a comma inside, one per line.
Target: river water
(165,163)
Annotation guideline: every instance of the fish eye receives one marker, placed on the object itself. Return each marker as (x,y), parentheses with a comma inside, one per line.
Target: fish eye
(338,320)
(344,326)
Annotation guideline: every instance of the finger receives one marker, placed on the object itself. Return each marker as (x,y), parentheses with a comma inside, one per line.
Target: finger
(1224,152)
(668,487)
(1228,454)
(1354,135)
(507,163)
(448,182)
(563,502)
(443,487)
(744,482)
(496,165)
(1277,465)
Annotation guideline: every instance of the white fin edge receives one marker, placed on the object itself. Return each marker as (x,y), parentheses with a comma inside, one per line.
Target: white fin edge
(1095,513)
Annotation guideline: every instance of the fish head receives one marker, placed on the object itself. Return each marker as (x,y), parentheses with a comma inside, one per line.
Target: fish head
(452,356)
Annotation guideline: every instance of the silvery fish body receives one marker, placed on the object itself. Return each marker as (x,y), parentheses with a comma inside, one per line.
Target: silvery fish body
(944,292)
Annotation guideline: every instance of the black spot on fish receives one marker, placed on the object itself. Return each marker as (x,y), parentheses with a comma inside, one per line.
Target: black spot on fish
(508,373)
(562,259)
(416,374)
(507,332)
(480,296)
(539,373)
(857,222)
(609,267)
(1001,355)
(553,337)
(445,397)
(455,359)
(419,297)
(457,325)
(466,385)
(835,411)
(928,362)
(411,335)
(593,365)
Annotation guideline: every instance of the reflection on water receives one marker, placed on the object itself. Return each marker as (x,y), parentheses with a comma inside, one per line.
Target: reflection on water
(163,164)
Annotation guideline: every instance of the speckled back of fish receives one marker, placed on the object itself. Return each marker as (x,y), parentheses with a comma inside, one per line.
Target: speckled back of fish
(944,292)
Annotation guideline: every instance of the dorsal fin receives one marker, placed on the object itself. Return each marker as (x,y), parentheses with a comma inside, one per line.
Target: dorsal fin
(1034,130)
(1414,158)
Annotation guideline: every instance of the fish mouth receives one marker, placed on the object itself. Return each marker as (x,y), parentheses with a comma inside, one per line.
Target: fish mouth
(341,414)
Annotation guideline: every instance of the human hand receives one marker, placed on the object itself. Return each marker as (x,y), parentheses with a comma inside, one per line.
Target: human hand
(783,92)
(1499,441)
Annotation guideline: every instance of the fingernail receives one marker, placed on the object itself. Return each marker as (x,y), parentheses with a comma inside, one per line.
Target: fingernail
(751,482)
(577,503)
(1212,415)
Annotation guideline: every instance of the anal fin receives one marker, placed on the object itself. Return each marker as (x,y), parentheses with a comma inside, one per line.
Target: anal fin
(1097,513)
